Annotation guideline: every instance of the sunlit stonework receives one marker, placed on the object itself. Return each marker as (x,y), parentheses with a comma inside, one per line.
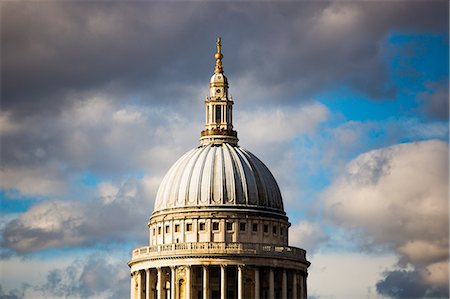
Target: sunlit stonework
(218,229)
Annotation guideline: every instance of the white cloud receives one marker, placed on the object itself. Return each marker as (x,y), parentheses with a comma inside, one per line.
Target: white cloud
(279,124)
(59,224)
(436,274)
(307,235)
(107,191)
(78,275)
(397,197)
(346,275)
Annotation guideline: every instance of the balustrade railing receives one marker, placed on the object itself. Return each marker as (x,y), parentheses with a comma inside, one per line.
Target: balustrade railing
(198,248)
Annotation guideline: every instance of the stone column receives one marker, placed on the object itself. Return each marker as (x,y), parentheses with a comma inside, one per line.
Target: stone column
(132,286)
(159,286)
(240,286)
(284,285)
(294,285)
(223,282)
(305,293)
(188,282)
(205,282)
(302,286)
(257,293)
(172,282)
(139,277)
(147,284)
(271,284)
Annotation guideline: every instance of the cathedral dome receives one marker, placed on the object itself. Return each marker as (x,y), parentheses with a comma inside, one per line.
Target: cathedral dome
(219,176)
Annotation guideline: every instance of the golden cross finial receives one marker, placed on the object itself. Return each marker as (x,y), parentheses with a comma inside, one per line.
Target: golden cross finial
(218,56)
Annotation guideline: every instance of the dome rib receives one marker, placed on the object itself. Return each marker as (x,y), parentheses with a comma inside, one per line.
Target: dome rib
(207,175)
(261,191)
(183,190)
(195,180)
(240,178)
(271,190)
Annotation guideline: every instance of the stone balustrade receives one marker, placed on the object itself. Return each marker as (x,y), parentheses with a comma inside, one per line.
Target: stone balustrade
(218,248)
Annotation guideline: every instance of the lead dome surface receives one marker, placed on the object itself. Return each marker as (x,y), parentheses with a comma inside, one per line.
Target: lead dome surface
(219,176)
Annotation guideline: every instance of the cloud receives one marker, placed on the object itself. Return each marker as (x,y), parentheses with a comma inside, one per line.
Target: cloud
(296,48)
(93,134)
(95,276)
(396,197)
(62,224)
(307,235)
(272,125)
(270,133)
(13,294)
(435,100)
(410,284)
(329,274)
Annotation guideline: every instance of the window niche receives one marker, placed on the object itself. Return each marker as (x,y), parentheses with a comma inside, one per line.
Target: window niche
(218,114)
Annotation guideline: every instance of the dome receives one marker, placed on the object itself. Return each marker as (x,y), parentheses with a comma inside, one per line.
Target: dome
(219,176)
(218,80)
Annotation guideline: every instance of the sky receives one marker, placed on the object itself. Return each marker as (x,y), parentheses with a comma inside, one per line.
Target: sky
(346,102)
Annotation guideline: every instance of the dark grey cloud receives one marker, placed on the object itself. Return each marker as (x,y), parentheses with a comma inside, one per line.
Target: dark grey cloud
(147,49)
(88,278)
(409,284)
(58,57)
(435,101)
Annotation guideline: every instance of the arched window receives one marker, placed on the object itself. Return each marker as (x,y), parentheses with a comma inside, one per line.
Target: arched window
(218,114)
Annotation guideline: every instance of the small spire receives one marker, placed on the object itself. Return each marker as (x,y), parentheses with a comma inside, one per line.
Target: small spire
(218,56)
(218,112)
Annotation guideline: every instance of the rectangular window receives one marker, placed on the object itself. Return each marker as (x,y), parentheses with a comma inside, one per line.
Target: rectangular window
(266,228)
(229,226)
(215,225)
(218,114)
(274,229)
(177,228)
(189,227)
(202,225)
(159,230)
(242,226)
(282,231)
(167,229)
(154,231)
(255,227)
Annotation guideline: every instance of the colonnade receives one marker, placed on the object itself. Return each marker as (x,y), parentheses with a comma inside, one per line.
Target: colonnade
(230,281)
